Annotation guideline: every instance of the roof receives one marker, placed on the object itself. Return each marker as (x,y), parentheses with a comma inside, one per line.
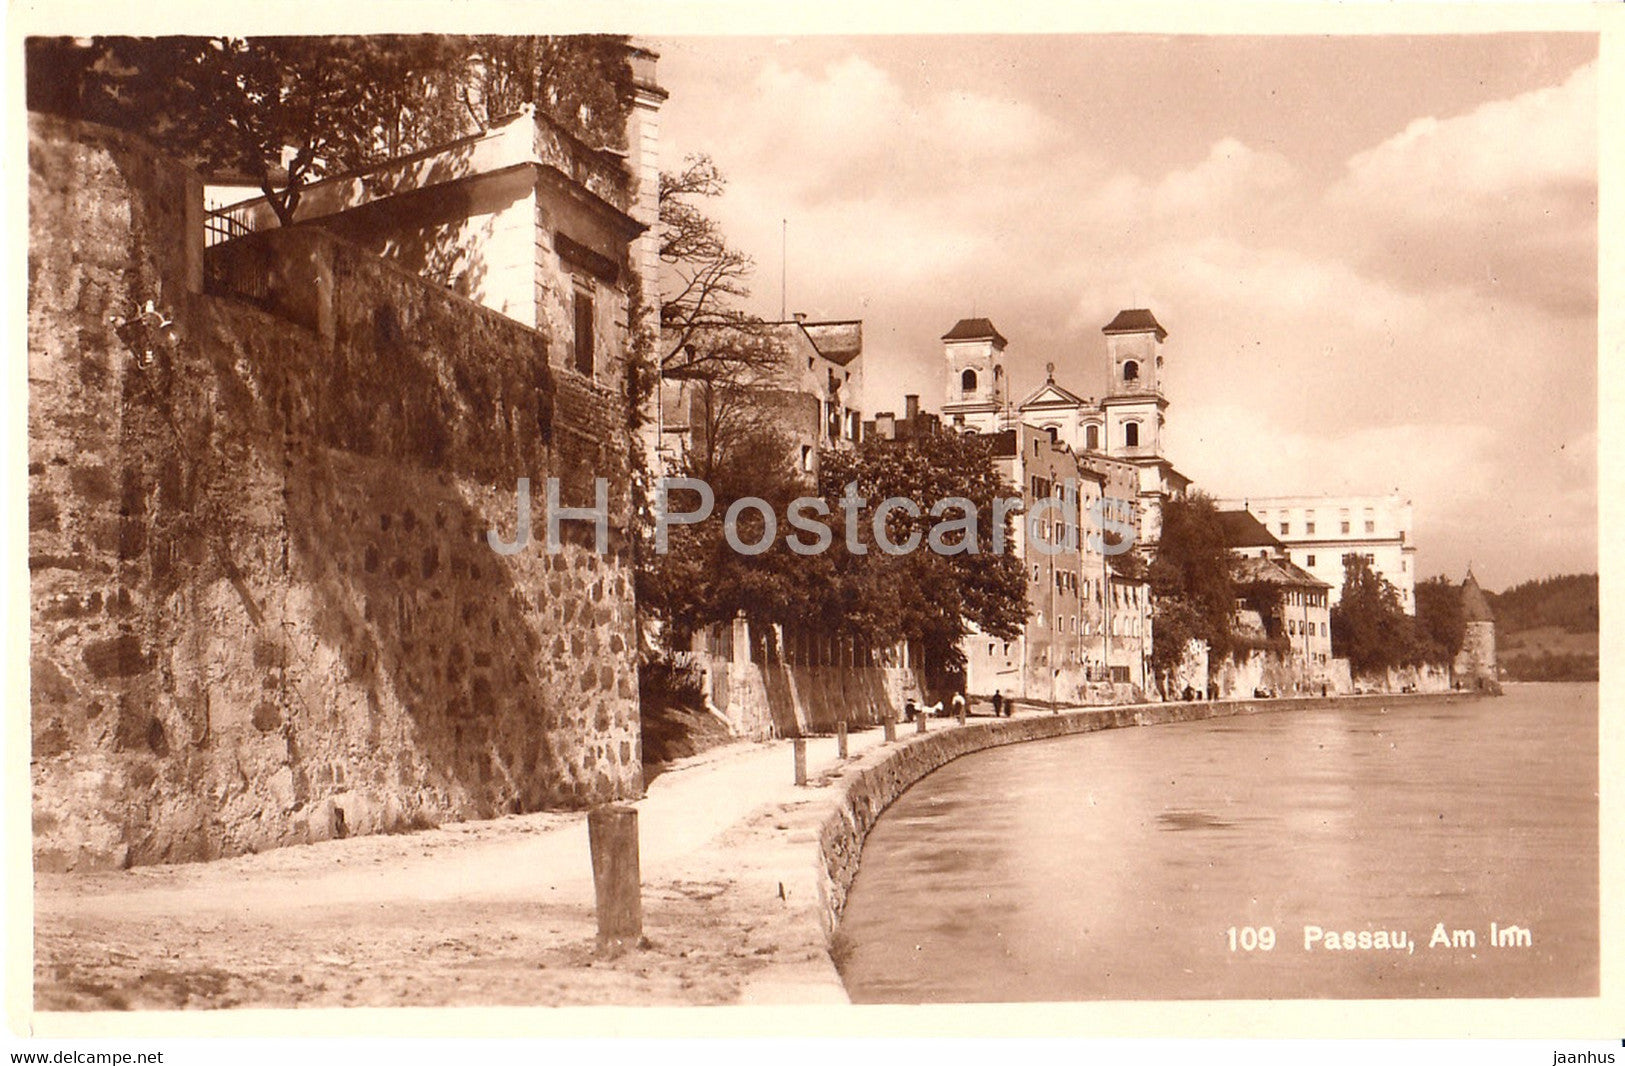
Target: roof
(1002,443)
(1242,530)
(1136,320)
(1249,568)
(975,329)
(839,342)
(1063,397)
(1474,606)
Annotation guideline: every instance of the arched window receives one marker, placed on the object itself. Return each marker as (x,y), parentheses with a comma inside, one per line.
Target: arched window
(1131,371)
(1091,438)
(1131,434)
(967,382)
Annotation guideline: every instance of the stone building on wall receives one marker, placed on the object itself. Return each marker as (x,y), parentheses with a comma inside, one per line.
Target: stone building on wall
(1475,666)
(1301,613)
(261,480)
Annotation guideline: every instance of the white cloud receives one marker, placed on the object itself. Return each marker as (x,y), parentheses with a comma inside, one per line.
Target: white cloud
(1233,175)
(1531,142)
(1502,199)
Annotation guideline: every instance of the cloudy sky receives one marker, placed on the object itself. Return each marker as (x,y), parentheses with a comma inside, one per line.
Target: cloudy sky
(1375,256)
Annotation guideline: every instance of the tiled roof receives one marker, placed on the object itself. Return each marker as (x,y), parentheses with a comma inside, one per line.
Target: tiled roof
(1249,568)
(1242,530)
(975,329)
(1002,443)
(1474,607)
(1136,320)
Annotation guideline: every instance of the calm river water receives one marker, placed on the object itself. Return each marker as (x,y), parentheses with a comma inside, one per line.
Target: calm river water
(1115,865)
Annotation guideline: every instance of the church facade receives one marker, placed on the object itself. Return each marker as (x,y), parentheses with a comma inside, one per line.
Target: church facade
(1119,436)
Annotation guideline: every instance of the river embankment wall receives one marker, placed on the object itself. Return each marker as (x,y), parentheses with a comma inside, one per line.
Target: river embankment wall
(874,782)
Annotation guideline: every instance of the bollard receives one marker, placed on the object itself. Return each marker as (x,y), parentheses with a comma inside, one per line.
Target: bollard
(919,721)
(961,714)
(840,739)
(890,724)
(800,745)
(612,835)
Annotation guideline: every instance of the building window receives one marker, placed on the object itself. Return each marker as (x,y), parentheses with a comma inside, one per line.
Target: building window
(806,457)
(1131,435)
(1343,527)
(1308,529)
(1370,526)
(967,382)
(1091,438)
(584,332)
(1131,371)
(1308,560)
(1286,527)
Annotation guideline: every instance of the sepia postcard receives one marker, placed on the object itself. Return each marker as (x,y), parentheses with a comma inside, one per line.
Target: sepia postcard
(883,521)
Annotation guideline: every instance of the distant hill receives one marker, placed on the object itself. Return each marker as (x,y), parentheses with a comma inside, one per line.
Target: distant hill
(1547,630)
(1568,602)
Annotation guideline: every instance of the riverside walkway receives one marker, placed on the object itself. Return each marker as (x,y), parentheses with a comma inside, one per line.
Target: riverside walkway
(475,913)
(500,912)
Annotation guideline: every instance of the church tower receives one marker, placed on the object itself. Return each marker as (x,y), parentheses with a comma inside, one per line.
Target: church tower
(1134,402)
(1133,410)
(973,353)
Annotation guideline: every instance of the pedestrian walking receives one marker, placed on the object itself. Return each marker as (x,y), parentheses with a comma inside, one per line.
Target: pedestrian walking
(998,703)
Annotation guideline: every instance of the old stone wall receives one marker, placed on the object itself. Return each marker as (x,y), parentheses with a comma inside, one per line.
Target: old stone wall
(765,682)
(263,606)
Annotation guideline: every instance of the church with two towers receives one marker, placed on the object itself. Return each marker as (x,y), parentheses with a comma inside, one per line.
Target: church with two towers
(1123,429)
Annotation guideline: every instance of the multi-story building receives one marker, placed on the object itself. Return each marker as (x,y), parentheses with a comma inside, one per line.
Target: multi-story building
(1086,621)
(1317,532)
(1301,614)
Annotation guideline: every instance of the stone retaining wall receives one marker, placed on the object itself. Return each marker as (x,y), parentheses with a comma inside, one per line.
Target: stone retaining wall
(874,782)
(264,610)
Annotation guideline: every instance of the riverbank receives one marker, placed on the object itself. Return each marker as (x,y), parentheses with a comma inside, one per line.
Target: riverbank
(745,874)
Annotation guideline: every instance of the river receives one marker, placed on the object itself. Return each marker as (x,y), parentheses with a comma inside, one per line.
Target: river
(1147,863)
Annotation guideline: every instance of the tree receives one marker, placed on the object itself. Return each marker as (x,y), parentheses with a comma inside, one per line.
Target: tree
(1190,580)
(583,82)
(701,579)
(921,596)
(289,111)
(926,596)
(704,332)
(1369,627)
(1441,624)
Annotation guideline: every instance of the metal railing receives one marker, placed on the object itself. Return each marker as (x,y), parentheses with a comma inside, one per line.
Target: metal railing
(225,224)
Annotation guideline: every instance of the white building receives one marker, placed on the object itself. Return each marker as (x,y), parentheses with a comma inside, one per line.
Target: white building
(1318,531)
